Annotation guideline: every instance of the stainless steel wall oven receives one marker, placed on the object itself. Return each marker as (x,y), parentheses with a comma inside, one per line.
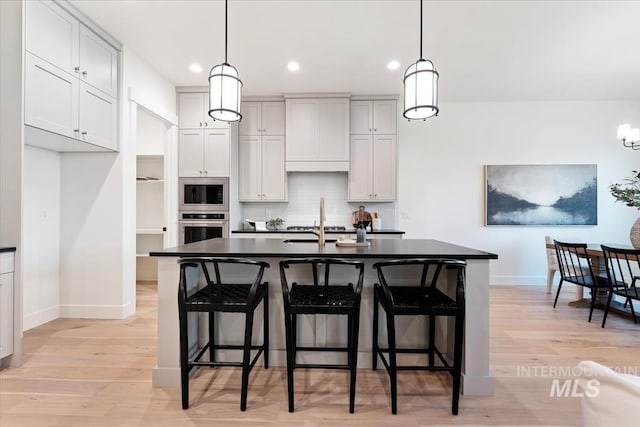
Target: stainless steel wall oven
(197,226)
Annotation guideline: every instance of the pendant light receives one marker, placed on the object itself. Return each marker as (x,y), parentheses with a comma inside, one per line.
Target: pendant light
(225,87)
(420,87)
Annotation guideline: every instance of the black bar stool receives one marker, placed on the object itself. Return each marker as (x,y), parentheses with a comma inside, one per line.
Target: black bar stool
(328,297)
(423,299)
(201,291)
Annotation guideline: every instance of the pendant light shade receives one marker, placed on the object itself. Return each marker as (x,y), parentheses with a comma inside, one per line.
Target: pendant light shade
(225,87)
(420,87)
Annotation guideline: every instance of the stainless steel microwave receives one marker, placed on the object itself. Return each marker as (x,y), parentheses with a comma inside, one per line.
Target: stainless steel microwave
(204,194)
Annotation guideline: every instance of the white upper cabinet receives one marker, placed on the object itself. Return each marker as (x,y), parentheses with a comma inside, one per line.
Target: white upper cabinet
(193,111)
(261,152)
(377,117)
(372,166)
(317,132)
(71,79)
(203,153)
(262,118)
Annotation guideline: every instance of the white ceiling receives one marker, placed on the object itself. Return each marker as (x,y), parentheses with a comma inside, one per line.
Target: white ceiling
(483,50)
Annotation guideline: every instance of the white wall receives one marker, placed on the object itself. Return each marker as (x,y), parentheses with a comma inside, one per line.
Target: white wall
(41,224)
(304,192)
(441,174)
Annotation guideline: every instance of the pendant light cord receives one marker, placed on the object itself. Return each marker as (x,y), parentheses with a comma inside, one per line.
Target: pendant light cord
(420,29)
(225,30)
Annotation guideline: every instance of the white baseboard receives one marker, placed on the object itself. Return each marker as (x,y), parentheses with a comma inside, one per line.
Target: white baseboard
(518,280)
(76,311)
(32,320)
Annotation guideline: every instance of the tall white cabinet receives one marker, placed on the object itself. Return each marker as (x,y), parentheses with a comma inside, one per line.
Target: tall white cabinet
(373,151)
(203,148)
(71,80)
(261,152)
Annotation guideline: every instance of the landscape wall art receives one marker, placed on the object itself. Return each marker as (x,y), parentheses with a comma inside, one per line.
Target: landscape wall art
(542,195)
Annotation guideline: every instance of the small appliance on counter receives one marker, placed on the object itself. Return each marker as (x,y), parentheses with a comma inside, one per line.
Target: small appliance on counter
(257,225)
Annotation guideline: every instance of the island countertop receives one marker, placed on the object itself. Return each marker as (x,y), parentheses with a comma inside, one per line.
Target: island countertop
(264,248)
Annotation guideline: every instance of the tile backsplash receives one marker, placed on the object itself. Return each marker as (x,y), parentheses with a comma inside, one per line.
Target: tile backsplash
(305,190)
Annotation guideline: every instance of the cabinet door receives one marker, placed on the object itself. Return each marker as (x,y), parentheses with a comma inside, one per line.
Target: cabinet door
(52,34)
(384,117)
(273,169)
(6,314)
(190,153)
(361,117)
(191,110)
(98,117)
(251,123)
(360,168)
(249,168)
(273,118)
(51,98)
(384,167)
(98,62)
(216,152)
(301,129)
(333,130)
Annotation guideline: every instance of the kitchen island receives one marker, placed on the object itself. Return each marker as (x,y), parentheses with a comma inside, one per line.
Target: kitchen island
(477,379)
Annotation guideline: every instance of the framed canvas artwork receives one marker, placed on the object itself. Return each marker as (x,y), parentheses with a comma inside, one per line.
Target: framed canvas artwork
(541,195)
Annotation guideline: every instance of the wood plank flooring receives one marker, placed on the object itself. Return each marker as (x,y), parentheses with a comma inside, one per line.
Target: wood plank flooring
(80,372)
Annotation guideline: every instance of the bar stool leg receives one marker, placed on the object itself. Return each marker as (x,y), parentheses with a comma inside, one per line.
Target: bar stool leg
(184,358)
(374,342)
(457,363)
(265,338)
(432,340)
(353,352)
(246,358)
(290,346)
(393,371)
(212,336)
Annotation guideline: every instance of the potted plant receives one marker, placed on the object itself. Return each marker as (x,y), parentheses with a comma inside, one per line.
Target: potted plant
(274,223)
(628,192)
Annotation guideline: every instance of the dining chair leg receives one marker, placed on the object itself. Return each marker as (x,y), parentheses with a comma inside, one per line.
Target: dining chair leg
(606,308)
(246,358)
(557,293)
(633,313)
(550,274)
(594,292)
(393,372)
(374,343)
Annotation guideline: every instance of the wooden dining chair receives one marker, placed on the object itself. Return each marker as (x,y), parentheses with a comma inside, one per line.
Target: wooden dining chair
(623,273)
(575,267)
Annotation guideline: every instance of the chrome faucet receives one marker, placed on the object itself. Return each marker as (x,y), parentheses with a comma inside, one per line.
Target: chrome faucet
(320,230)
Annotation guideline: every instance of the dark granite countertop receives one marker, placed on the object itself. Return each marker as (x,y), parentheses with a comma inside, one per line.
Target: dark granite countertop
(275,248)
(7,248)
(347,231)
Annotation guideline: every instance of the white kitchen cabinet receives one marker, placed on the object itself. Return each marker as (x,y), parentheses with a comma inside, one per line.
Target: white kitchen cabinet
(317,132)
(263,118)
(372,173)
(60,103)
(373,117)
(193,111)
(261,170)
(70,78)
(6,303)
(203,153)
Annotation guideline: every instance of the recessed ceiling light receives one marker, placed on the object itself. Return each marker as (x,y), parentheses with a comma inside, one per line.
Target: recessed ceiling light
(293,66)
(393,65)
(196,68)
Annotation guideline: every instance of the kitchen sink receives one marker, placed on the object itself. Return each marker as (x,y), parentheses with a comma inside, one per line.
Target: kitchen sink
(307,241)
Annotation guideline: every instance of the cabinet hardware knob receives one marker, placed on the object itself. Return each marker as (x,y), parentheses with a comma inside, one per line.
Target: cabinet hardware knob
(84,133)
(200,124)
(76,130)
(206,124)
(77,70)
(369,129)
(84,74)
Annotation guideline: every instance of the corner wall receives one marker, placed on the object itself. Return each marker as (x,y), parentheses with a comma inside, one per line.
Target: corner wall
(441,174)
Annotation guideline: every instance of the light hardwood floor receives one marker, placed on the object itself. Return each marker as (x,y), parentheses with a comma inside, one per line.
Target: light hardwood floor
(98,373)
